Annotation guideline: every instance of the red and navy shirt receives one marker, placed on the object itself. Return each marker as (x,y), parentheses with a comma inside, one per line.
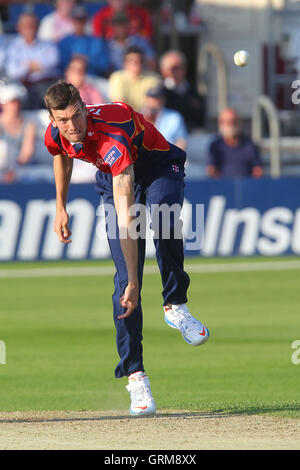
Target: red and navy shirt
(116,137)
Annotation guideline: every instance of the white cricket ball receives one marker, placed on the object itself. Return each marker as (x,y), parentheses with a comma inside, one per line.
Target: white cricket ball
(241,58)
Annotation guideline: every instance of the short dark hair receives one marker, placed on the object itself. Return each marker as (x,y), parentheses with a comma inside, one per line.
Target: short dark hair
(120,18)
(133,50)
(80,58)
(30,14)
(61,95)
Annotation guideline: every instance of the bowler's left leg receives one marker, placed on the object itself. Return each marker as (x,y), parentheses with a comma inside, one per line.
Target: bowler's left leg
(166,191)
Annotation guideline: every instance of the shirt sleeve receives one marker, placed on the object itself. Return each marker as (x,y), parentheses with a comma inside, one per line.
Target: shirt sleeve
(212,158)
(147,30)
(45,31)
(65,53)
(118,155)
(144,44)
(97,23)
(52,147)
(256,157)
(99,56)
(48,55)
(181,131)
(16,67)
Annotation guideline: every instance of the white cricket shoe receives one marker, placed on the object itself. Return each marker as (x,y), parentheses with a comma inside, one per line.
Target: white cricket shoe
(192,330)
(142,401)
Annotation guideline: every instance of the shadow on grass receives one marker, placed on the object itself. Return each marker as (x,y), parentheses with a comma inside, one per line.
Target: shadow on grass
(215,414)
(112,417)
(276,408)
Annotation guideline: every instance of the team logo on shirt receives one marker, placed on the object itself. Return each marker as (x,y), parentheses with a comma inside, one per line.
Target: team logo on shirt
(99,159)
(112,155)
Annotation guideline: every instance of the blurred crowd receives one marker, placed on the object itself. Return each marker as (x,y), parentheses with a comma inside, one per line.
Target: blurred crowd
(109,57)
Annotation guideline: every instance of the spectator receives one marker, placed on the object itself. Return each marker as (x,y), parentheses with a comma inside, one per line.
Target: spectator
(94,49)
(232,154)
(132,83)
(17,137)
(58,24)
(180,95)
(76,74)
(140,20)
(30,60)
(122,39)
(170,123)
(4,42)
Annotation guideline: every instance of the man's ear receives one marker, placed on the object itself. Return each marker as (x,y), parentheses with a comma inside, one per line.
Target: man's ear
(52,120)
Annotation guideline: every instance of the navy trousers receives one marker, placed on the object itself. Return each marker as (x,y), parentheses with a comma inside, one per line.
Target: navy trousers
(159,186)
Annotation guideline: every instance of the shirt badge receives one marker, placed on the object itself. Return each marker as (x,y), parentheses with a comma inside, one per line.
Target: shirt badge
(112,155)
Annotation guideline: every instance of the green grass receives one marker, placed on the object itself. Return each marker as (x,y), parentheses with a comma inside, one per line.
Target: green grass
(61,351)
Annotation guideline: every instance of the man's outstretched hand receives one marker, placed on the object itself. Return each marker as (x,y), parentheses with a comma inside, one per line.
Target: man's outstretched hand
(61,226)
(130,299)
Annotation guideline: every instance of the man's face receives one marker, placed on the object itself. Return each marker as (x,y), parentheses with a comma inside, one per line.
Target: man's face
(12,108)
(27,27)
(71,122)
(174,68)
(79,26)
(65,7)
(133,63)
(120,30)
(229,124)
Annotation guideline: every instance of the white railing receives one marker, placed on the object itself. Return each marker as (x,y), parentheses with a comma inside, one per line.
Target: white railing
(210,50)
(264,103)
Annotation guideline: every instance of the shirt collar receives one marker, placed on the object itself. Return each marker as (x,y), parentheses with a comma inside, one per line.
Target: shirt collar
(25,43)
(91,133)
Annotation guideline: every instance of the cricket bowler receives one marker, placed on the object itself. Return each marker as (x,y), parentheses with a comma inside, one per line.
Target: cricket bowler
(136,165)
